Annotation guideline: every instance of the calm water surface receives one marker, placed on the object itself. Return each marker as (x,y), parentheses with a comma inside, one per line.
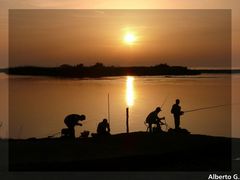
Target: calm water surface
(38,105)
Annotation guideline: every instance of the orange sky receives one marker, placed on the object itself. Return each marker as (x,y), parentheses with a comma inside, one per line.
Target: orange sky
(176,37)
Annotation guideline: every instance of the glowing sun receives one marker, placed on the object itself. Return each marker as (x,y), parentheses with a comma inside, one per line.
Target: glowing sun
(129,38)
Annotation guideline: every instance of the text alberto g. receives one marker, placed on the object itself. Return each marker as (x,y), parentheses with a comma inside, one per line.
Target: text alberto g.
(223,176)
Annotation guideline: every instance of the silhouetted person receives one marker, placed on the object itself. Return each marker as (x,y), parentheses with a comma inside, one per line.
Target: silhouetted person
(71,121)
(153,118)
(176,111)
(103,128)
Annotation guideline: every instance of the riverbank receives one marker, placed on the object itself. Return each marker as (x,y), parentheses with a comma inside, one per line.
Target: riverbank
(138,151)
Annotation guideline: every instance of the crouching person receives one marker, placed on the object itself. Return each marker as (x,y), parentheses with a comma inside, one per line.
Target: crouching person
(71,121)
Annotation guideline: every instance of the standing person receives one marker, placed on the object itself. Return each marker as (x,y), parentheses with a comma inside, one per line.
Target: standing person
(176,111)
(71,121)
(153,118)
(103,128)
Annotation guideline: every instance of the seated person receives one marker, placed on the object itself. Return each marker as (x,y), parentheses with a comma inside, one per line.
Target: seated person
(153,118)
(103,128)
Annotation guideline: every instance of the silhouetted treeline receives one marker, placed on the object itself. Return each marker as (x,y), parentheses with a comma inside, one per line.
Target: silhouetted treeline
(99,70)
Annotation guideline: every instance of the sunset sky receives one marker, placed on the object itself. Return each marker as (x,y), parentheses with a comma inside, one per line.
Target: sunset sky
(194,38)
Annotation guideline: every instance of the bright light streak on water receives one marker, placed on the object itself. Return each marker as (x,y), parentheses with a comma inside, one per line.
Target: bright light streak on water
(130,91)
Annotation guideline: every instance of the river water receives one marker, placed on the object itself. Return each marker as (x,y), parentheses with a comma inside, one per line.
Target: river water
(37,106)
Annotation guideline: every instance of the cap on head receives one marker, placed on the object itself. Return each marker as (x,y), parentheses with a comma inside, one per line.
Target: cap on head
(158,109)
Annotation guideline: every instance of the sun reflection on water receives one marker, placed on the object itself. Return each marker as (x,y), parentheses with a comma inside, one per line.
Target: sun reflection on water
(130,91)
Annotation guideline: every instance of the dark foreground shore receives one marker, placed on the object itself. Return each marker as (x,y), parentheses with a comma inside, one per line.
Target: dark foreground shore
(138,151)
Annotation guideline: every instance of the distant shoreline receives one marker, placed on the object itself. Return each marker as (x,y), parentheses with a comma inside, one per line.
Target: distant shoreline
(99,70)
(219,71)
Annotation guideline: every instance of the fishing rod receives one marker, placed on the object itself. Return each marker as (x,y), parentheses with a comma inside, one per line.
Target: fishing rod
(54,134)
(109,109)
(165,100)
(1,123)
(204,108)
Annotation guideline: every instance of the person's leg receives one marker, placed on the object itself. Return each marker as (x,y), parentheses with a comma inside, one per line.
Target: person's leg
(158,126)
(159,129)
(150,127)
(71,132)
(177,122)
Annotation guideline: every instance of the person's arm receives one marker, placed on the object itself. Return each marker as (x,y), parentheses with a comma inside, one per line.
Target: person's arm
(79,124)
(108,128)
(180,111)
(172,110)
(161,121)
